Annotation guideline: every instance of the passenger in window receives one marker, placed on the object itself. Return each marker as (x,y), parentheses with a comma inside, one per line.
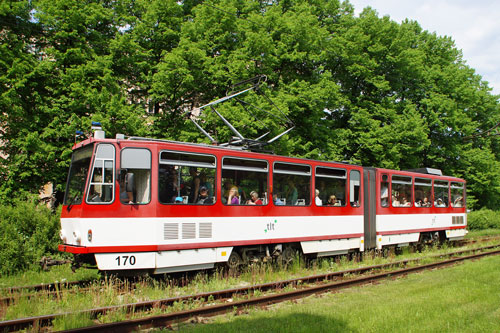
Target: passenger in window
(426,202)
(225,191)
(94,195)
(317,200)
(405,202)
(332,201)
(395,201)
(125,197)
(204,198)
(195,185)
(178,200)
(458,202)
(207,184)
(254,199)
(384,195)
(277,200)
(233,198)
(439,203)
(291,193)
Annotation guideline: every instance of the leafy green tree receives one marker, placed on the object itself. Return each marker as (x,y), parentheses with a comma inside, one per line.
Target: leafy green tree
(361,89)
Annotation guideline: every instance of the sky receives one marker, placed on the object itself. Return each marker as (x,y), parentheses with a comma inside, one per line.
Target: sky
(474,25)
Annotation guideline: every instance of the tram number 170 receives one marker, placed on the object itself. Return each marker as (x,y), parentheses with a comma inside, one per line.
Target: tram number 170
(124,260)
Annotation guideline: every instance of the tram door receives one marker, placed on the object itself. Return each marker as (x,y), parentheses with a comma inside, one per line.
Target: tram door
(369,184)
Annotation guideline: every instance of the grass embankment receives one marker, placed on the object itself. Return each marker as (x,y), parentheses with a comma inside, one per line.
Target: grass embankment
(464,298)
(114,292)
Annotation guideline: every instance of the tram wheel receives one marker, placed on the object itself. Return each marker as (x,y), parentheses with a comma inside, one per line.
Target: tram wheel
(288,255)
(234,260)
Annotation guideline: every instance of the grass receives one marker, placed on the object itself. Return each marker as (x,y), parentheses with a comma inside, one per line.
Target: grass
(110,291)
(482,233)
(56,273)
(464,298)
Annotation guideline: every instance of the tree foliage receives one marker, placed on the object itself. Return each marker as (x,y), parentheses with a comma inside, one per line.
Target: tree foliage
(361,89)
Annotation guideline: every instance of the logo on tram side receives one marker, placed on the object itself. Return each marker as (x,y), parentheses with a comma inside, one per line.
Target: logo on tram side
(270,226)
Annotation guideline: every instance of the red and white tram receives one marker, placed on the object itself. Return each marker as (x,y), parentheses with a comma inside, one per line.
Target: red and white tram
(162,206)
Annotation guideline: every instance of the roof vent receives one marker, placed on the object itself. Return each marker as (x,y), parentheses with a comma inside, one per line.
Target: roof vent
(427,171)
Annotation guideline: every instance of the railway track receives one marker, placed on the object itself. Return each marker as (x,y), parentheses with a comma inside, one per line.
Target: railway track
(56,289)
(336,280)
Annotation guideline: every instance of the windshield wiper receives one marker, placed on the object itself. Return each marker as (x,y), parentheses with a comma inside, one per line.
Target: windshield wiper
(68,208)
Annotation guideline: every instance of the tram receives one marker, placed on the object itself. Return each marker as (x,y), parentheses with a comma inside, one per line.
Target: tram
(145,205)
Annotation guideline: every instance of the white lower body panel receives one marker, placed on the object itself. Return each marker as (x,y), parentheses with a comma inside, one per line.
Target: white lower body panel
(399,229)
(164,261)
(331,246)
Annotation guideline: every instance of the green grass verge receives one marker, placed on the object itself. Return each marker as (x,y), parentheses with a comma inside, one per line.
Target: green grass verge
(55,274)
(464,298)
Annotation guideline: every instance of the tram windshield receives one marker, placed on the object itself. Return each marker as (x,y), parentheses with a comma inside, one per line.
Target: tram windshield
(78,171)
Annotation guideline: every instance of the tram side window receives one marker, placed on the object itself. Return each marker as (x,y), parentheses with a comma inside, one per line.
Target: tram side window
(441,193)
(384,191)
(135,176)
(457,195)
(101,188)
(401,191)
(423,189)
(244,182)
(186,178)
(354,188)
(331,184)
(292,184)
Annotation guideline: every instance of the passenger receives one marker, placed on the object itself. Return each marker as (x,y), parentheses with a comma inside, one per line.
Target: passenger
(317,200)
(332,201)
(405,202)
(195,185)
(426,202)
(277,200)
(204,199)
(439,203)
(178,200)
(291,193)
(384,195)
(207,184)
(395,201)
(225,190)
(254,199)
(125,197)
(232,198)
(173,187)
(458,202)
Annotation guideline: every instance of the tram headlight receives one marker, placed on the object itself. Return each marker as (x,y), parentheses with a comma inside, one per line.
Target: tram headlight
(89,235)
(78,237)
(63,236)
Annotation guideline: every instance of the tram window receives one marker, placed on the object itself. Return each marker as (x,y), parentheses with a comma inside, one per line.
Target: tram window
(384,191)
(186,178)
(101,188)
(441,193)
(457,194)
(244,182)
(354,188)
(80,164)
(331,184)
(292,184)
(401,191)
(423,190)
(135,176)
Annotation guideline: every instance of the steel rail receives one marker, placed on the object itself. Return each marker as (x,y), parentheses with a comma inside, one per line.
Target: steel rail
(46,320)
